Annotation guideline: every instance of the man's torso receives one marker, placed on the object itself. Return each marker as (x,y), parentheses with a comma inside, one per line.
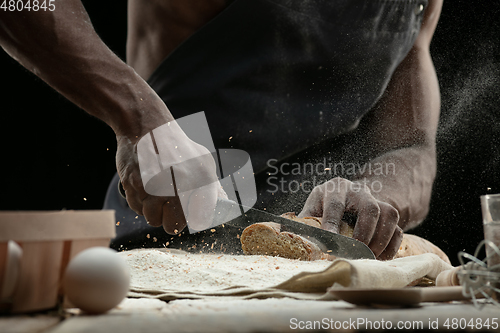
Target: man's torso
(157,27)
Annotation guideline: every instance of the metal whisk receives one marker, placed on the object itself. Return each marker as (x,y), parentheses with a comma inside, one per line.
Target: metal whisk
(477,278)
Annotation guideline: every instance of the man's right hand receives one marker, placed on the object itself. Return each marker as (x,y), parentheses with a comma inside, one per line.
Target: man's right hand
(194,175)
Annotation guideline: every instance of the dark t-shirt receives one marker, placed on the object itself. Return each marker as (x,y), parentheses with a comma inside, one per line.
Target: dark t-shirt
(277,76)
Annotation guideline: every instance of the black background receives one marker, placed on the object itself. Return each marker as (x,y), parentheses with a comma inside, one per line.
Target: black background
(54,156)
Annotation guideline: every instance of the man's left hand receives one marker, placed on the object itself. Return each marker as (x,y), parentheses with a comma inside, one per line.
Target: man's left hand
(377,221)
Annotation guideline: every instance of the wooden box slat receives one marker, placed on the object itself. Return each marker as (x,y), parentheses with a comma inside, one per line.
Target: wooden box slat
(38,284)
(3,264)
(56,225)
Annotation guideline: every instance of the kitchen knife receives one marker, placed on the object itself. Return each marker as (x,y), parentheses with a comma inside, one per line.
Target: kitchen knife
(232,214)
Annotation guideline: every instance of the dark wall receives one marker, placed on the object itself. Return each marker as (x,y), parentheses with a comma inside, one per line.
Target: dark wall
(465,50)
(54,155)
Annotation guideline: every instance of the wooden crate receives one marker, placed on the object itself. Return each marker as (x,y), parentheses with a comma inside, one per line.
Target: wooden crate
(48,240)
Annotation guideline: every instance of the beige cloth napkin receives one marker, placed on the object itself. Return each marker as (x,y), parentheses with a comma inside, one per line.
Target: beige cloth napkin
(395,273)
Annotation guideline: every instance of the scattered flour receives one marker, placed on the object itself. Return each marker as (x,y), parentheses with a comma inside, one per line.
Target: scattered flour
(181,271)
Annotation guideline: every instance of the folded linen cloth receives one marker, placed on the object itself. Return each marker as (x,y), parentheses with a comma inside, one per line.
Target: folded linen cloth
(396,273)
(168,276)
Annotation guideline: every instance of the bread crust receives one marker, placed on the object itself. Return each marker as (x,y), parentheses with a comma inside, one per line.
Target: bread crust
(413,245)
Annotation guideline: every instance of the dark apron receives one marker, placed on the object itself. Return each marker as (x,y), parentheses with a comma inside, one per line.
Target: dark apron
(275,77)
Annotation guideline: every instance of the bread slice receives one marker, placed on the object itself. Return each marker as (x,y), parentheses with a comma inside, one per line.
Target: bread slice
(265,238)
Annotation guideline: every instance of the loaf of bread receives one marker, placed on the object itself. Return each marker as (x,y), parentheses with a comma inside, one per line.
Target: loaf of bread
(265,238)
(413,245)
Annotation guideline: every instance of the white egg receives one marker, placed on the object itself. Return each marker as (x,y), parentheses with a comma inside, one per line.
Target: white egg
(96,280)
(12,271)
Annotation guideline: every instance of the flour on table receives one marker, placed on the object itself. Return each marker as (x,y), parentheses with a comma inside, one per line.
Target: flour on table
(182,271)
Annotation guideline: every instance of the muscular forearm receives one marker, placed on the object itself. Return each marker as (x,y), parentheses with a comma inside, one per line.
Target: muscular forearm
(62,48)
(403,132)
(403,178)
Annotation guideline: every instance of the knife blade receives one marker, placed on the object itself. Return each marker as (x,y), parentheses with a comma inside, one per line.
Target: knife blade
(232,214)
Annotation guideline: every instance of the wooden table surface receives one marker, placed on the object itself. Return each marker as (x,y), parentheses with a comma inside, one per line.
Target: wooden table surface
(255,315)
